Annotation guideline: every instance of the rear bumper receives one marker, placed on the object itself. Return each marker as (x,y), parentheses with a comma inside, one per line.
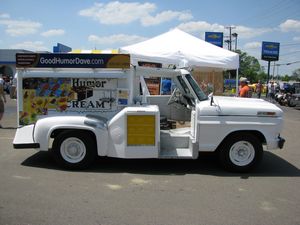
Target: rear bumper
(26,145)
(24,138)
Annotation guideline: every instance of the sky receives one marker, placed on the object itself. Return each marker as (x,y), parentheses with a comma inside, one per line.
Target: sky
(38,25)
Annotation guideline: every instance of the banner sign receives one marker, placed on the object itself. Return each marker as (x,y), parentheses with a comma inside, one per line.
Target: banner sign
(270,51)
(60,60)
(50,96)
(215,38)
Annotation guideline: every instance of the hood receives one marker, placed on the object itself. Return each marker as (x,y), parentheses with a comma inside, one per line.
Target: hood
(235,106)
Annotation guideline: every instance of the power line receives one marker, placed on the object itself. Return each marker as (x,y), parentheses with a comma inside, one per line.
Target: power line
(280,9)
(263,12)
(290,44)
(289,53)
(282,45)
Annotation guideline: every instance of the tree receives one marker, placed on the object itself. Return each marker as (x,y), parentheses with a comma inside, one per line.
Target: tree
(262,76)
(296,75)
(286,78)
(250,67)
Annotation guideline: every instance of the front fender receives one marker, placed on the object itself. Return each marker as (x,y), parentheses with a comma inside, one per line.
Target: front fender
(213,130)
(46,126)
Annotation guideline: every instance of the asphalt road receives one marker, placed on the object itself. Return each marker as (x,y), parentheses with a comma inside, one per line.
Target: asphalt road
(34,191)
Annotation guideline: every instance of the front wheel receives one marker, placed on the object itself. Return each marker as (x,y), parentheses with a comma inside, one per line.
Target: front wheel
(241,152)
(74,149)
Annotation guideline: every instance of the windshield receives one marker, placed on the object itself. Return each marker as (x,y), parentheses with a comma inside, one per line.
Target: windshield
(200,94)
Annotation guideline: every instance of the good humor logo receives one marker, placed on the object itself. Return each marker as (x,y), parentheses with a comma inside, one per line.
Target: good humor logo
(73,61)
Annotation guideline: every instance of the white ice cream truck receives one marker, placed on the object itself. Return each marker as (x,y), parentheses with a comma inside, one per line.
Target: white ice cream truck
(80,106)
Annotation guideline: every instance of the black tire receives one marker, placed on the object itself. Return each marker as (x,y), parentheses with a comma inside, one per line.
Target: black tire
(240,152)
(291,104)
(74,150)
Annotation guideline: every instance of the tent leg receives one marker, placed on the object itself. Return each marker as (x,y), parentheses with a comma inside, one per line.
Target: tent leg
(237,83)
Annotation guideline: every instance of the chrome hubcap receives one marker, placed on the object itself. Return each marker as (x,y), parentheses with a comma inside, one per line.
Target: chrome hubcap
(73,150)
(242,153)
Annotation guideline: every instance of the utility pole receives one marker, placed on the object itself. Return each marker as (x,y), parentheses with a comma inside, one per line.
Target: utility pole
(230,41)
(235,35)
(227,42)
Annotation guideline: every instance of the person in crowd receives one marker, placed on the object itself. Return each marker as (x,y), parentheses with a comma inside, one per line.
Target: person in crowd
(271,90)
(258,89)
(166,86)
(244,88)
(2,99)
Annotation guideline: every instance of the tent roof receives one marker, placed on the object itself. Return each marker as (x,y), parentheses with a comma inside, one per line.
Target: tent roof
(173,46)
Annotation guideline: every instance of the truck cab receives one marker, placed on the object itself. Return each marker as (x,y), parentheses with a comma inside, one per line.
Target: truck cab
(79,114)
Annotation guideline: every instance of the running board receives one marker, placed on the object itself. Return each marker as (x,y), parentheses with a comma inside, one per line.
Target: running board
(178,153)
(177,144)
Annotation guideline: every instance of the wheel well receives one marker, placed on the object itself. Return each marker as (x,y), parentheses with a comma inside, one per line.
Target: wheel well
(57,132)
(255,133)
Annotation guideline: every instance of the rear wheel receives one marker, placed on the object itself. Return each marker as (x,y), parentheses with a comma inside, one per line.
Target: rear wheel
(74,149)
(241,152)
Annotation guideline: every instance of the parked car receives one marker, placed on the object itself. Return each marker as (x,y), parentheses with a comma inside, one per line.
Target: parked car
(296,88)
(294,100)
(288,88)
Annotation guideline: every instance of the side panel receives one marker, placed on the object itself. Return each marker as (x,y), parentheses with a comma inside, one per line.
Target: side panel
(140,130)
(134,133)
(43,93)
(213,129)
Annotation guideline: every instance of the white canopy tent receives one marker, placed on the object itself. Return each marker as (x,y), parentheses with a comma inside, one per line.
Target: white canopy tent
(174,46)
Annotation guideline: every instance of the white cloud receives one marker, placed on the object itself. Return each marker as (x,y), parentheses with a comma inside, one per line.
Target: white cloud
(249,32)
(126,12)
(116,39)
(290,25)
(118,12)
(165,16)
(4,16)
(296,38)
(20,27)
(53,32)
(201,26)
(31,45)
(252,45)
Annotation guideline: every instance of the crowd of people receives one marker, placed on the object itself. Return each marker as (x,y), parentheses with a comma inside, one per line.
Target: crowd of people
(2,99)
(246,91)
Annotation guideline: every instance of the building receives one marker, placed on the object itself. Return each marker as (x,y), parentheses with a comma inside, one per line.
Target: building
(8,61)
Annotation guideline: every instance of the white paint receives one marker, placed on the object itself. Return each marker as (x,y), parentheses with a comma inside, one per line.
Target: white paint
(139,181)
(21,177)
(114,187)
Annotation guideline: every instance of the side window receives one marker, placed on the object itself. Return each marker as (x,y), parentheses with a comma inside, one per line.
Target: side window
(183,85)
(166,86)
(159,86)
(153,85)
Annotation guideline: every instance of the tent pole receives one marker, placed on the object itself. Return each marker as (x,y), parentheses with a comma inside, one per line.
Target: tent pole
(237,83)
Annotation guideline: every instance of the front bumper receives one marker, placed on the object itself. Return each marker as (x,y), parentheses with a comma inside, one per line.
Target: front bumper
(275,143)
(281,142)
